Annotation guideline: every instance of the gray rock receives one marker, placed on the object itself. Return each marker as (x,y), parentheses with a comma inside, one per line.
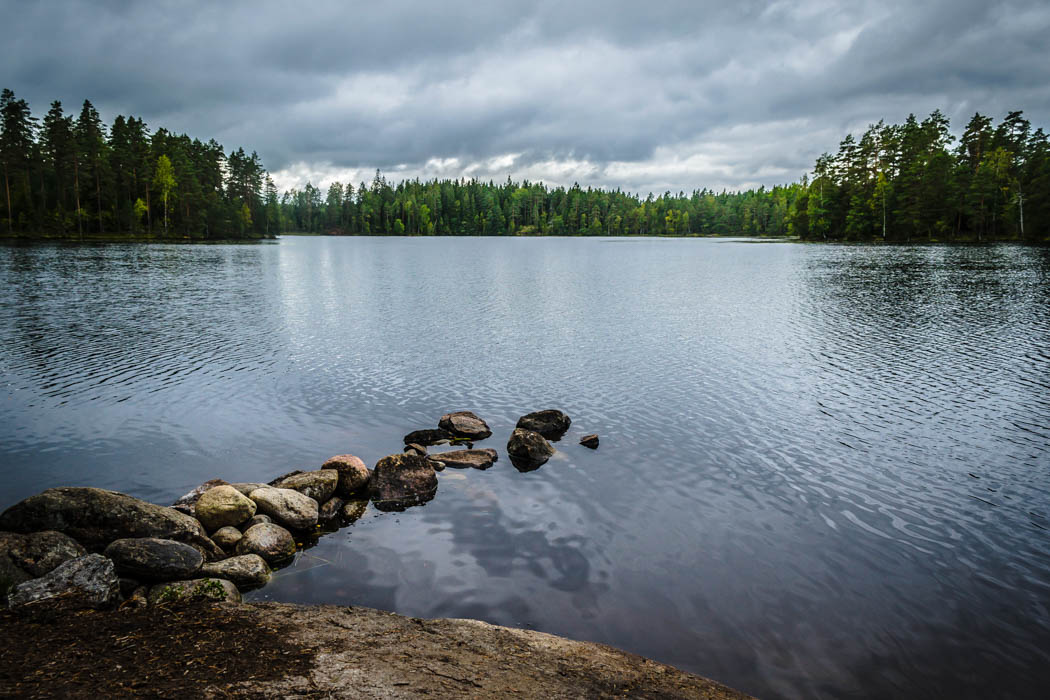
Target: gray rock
(550,423)
(10,576)
(246,571)
(38,553)
(259,518)
(88,581)
(353,474)
(95,517)
(353,510)
(288,507)
(187,504)
(319,485)
(329,510)
(528,450)
(284,476)
(590,441)
(271,542)
(462,459)
(153,559)
(223,506)
(415,448)
(175,592)
(464,424)
(427,437)
(228,537)
(402,480)
(247,487)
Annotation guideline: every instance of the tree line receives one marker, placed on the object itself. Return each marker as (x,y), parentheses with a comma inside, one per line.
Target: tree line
(72,176)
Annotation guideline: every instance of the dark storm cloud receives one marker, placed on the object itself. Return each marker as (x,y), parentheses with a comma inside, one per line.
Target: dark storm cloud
(660,95)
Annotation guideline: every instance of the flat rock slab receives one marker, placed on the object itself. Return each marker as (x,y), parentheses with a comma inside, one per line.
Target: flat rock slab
(464,459)
(89,581)
(277,650)
(464,424)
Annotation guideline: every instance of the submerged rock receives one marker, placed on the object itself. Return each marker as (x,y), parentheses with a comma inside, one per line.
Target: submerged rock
(462,459)
(271,542)
(246,570)
(402,480)
(223,506)
(319,485)
(528,450)
(196,589)
(464,424)
(37,553)
(188,503)
(353,474)
(590,441)
(286,506)
(88,581)
(153,559)
(550,423)
(427,437)
(95,517)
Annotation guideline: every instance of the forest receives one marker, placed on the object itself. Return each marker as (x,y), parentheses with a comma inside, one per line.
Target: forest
(77,178)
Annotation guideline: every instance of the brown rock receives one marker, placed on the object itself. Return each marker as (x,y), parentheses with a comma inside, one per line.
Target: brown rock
(462,459)
(353,474)
(402,480)
(590,441)
(528,450)
(465,424)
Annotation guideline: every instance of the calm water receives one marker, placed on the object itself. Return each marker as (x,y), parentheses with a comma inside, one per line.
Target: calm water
(824,471)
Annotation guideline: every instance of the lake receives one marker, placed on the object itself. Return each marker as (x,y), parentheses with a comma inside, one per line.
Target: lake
(824,470)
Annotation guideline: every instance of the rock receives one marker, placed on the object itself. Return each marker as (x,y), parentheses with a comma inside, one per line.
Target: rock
(427,437)
(248,487)
(318,485)
(550,423)
(528,450)
(95,517)
(127,585)
(415,448)
(39,553)
(438,465)
(464,424)
(329,510)
(286,506)
(259,518)
(353,474)
(590,441)
(197,589)
(271,542)
(137,598)
(353,510)
(246,570)
(462,459)
(402,480)
(187,504)
(282,477)
(228,537)
(222,506)
(10,576)
(153,559)
(88,581)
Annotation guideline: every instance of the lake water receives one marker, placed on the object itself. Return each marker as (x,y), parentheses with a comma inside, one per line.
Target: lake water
(824,471)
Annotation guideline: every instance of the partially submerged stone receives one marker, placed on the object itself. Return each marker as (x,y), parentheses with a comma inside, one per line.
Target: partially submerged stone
(319,485)
(428,437)
(286,506)
(402,480)
(176,592)
(590,441)
(154,559)
(353,474)
(464,424)
(528,450)
(463,459)
(245,571)
(353,510)
(329,510)
(88,581)
(270,541)
(415,448)
(223,506)
(550,423)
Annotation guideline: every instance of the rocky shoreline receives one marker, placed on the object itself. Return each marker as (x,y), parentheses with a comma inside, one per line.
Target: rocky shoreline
(90,551)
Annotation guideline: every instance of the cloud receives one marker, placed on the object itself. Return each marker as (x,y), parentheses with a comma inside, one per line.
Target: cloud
(670,95)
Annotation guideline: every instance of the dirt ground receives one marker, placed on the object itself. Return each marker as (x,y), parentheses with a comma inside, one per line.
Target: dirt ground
(219,650)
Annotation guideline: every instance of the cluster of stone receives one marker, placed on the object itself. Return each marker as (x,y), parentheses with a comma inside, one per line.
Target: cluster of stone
(96,548)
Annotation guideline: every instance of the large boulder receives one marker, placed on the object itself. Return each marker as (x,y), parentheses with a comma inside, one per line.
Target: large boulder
(528,450)
(38,553)
(551,423)
(318,485)
(463,459)
(402,480)
(246,571)
(187,504)
(95,517)
(176,592)
(428,437)
(88,581)
(286,506)
(271,542)
(353,474)
(223,506)
(153,559)
(464,424)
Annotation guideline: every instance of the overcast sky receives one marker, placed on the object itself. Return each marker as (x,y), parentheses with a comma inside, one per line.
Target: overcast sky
(647,96)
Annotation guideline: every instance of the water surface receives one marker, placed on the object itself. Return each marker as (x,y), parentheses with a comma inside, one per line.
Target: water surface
(824,470)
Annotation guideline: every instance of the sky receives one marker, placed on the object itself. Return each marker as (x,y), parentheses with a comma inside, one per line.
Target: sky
(644,96)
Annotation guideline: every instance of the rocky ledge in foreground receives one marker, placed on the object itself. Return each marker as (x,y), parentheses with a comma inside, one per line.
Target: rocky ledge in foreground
(282,650)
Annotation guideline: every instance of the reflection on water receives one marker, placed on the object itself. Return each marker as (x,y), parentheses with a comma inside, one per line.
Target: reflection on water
(823,470)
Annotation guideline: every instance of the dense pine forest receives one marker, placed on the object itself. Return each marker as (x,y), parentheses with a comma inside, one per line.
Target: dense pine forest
(76,177)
